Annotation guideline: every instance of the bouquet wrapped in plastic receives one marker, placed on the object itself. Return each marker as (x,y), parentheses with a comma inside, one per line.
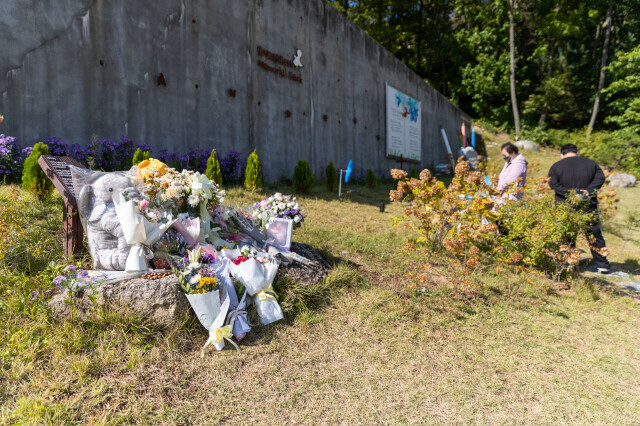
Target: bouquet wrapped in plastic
(257,277)
(138,233)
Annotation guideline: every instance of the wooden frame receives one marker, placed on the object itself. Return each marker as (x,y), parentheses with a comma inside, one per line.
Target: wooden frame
(57,170)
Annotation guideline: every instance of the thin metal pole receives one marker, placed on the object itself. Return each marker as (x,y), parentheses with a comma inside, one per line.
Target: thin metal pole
(340,186)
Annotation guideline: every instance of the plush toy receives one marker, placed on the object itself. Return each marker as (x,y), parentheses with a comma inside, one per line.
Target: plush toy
(107,244)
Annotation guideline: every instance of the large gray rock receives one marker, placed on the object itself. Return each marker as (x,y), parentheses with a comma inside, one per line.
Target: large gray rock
(159,302)
(631,285)
(527,145)
(622,180)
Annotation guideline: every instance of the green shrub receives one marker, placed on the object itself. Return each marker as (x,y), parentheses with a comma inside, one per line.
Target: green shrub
(302,177)
(332,177)
(34,179)
(617,150)
(213,171)
(536,134)
(372,180)
(253,172)
(540,232)
(139,157)
(413,173)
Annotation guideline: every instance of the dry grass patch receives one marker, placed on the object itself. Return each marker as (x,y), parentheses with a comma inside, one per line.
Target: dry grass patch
(360,348)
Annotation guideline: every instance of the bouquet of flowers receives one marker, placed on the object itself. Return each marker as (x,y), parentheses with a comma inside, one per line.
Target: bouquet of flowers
(211,294)
(178,192)
(256,271)
(195,272)
(280,206)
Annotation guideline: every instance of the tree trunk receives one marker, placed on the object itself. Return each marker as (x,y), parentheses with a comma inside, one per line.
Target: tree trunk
(603,64)
(545,108)
(512,68)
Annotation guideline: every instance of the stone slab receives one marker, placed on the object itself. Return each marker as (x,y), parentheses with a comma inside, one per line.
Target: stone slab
(159,302)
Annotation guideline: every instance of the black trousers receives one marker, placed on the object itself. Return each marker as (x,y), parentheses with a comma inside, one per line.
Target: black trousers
(596,242)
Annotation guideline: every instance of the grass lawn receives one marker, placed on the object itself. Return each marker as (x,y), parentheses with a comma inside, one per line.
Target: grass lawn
(516,349)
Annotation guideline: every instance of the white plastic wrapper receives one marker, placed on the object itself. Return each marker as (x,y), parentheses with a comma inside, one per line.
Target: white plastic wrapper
(254,275)
(94,193)
(257,279)
(207,307)
(211,309)
(268,308)
(138,232)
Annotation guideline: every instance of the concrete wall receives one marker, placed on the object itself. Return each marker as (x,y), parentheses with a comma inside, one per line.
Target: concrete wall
(77,68)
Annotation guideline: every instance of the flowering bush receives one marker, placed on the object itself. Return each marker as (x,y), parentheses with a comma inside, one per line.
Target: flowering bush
(229,166)
(469,220)
(11,159)
(72,277)
(280,206)
(111,155)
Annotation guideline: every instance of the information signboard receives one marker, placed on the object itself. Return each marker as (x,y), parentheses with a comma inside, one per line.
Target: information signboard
(404,125)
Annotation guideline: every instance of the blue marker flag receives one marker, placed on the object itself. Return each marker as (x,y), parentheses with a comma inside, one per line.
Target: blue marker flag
(348,173)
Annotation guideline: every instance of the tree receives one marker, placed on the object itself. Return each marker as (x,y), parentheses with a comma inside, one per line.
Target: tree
(332,176)
(512,68)
(140,156)
(623,93)
(302,178)
(253,173)
(603,65)
(213,171)
(34,179)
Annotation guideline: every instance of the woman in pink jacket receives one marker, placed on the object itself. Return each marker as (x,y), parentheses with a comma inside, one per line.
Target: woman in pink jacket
(515,168)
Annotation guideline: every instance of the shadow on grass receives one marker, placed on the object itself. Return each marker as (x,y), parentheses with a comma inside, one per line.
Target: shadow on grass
(595,283)
(355,192)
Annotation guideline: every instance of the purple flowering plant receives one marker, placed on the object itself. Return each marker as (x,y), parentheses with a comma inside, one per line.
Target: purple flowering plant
(73,278)
(11,159)
(111,155)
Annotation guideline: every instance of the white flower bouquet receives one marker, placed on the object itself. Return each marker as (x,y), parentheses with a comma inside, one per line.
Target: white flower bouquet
(278,206)
(257,275)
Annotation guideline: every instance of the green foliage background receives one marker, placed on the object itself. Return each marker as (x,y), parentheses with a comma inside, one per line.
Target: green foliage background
(461,48)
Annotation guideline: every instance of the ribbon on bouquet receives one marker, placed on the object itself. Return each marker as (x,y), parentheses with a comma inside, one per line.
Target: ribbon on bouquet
(240,310)
(267,293)
(217,336)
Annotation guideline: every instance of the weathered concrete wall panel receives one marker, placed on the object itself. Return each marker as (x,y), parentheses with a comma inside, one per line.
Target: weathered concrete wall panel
(77,68)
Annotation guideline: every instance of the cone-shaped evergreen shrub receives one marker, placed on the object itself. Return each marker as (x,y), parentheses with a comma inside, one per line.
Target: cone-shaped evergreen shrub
(253,172)
(213,171)
(139,157)
(372,180)
(302,177)
(332,177)
(33,177)
(414,173)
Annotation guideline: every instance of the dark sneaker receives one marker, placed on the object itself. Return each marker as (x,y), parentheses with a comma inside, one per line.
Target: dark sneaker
(604,271)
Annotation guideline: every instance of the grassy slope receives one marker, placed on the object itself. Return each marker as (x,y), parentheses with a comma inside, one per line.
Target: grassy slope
(373,352)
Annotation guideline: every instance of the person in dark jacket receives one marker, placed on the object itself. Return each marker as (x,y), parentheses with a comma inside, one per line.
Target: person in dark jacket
(585,177)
